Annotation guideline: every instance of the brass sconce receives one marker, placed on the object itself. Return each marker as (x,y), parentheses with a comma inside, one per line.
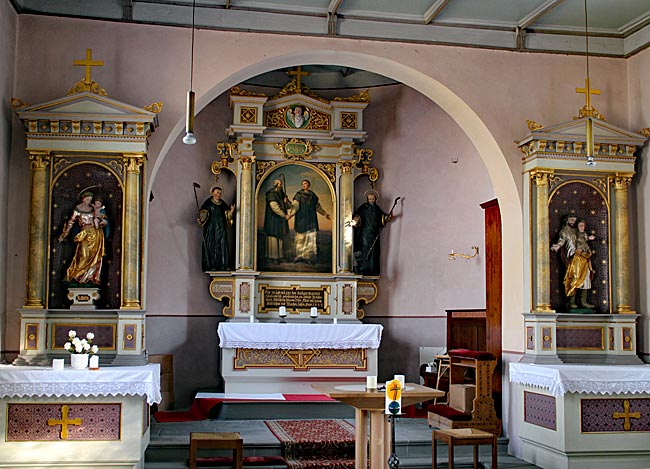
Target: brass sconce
(453,255)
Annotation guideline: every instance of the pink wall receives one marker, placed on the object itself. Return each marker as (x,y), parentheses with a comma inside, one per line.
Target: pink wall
(482,100)
(8,24)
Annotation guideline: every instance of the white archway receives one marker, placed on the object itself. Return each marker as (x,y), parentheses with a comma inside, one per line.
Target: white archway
(471,124)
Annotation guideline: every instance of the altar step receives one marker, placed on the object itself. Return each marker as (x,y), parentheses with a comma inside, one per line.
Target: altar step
(265,410)
(169,446)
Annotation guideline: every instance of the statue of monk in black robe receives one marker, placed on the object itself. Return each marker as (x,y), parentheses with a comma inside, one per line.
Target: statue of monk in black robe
(215,217)
(368,221)
(306,208)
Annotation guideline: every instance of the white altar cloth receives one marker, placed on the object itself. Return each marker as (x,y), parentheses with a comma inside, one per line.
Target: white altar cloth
(299,336)
(30,381)
(595,379)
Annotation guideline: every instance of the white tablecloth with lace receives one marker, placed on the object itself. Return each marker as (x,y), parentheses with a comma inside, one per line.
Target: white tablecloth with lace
(31,381)
(594,379)
(299,336)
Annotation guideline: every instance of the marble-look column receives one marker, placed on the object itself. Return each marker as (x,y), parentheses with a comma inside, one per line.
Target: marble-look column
(621,238)
(38,222)
(346,210)
(541,180)
(246,210)
(131,246)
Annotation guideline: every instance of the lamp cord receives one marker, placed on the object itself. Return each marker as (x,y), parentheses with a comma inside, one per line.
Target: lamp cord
(192,55)
(587,38)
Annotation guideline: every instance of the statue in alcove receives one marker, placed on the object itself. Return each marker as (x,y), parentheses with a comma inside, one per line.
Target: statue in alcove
(89,224)
(576,254)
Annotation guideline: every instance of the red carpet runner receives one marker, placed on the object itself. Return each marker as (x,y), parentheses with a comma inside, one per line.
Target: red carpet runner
(315,444)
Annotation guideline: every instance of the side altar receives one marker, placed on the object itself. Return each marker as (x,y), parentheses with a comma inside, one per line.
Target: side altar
(583,416)
(288,358)
(86,222)
(76,418)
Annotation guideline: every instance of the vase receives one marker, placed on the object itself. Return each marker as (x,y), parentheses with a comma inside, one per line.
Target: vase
(79,361)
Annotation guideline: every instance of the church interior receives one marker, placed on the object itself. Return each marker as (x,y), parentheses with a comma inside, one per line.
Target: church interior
(432,168)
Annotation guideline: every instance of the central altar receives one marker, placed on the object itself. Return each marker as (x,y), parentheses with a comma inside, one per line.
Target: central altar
(288,358)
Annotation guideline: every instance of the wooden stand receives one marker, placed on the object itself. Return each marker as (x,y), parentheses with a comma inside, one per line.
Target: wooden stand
(213,440)
(465,436)
(482,414)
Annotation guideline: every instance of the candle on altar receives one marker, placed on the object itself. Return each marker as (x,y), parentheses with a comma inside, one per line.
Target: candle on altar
(313,312)
(283,312)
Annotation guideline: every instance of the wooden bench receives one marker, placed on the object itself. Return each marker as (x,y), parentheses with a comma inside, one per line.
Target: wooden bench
(460,437)
(216,440)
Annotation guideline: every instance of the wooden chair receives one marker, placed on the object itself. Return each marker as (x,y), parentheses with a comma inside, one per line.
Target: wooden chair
(463,436)
(216,440)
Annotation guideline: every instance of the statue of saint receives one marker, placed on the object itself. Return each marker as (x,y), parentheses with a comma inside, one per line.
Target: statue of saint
(215,217)
(368,220)
(86,265)
(574,240)
(306,208)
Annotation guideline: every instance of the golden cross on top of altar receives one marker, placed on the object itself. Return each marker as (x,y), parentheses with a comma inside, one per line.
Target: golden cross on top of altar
(298,73)
(588,91)
(88,63)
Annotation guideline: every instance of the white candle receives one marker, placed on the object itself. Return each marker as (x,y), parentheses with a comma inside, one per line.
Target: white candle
(57,364)
(335,321)
(314,312)
(371,382)
(283,311)
(251,319)
(94,362)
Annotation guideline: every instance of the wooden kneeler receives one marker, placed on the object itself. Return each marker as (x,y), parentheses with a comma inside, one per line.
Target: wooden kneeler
(217,440)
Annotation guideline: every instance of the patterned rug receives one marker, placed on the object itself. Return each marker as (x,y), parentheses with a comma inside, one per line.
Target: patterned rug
(315,444)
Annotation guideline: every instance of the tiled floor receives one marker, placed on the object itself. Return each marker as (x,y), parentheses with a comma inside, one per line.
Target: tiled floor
(170,441)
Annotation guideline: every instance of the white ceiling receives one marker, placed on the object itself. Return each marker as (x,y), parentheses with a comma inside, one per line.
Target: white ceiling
(617,28)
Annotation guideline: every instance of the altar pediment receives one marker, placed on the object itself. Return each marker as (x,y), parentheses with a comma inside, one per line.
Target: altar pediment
(574,131)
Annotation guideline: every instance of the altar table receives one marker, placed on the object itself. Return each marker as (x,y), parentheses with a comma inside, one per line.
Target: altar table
(76,418)
(287,358)
(583,416)
(369,404)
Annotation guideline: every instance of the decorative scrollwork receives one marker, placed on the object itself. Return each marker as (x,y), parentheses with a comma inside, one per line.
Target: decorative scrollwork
(532,125)
(589,111)
(237,91)
(329,169)
(118,166)
(603,183)
(645,132)
(292,88)
(59,164)
(17,103)
(154,107)
(262,167)
(82,86)
(363,97)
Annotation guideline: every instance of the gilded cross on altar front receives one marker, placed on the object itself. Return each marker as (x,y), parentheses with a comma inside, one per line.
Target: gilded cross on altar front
(88,63)
(298,73)
(64,422)
(626,415)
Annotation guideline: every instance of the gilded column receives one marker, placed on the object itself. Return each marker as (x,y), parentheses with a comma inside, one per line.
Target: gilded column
(541,180)
(38,222)
(346,210)
(131,232)
(246,222)
(621,237)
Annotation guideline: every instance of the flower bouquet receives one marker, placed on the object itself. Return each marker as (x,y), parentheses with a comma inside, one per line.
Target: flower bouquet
(80,349)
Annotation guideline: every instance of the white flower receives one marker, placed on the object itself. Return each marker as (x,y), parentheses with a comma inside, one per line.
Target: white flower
(78,348)
(90,336)
(86,346)
(76,341)
(67,345)
(94,349)
(72,334)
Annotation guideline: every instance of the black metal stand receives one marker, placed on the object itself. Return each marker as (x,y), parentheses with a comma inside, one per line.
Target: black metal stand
(393,460)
